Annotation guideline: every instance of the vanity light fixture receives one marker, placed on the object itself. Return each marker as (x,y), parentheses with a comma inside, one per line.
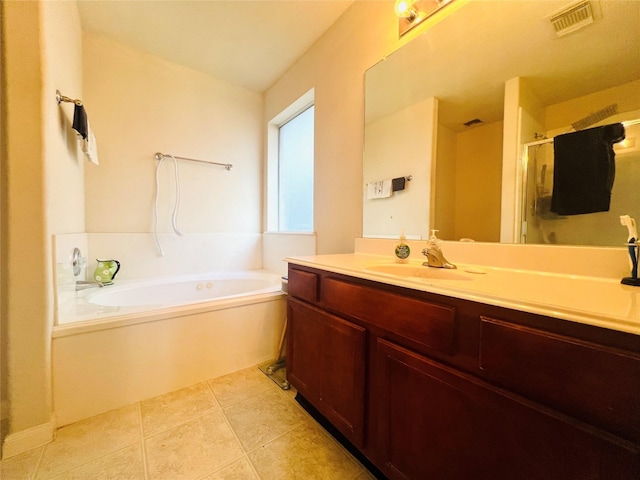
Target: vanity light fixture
(413,12)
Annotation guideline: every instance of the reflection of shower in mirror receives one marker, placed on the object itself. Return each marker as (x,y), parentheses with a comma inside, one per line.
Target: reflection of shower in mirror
(540,225)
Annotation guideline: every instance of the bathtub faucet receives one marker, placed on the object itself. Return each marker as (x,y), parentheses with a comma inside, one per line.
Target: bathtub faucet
(82,285)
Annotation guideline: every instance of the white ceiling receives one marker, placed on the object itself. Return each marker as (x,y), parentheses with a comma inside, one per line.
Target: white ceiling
(247,43)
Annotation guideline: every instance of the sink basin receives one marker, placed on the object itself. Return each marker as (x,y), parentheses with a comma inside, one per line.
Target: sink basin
(414,271)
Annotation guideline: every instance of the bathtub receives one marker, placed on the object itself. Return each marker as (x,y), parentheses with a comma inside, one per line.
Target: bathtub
(134,340)
(185,290)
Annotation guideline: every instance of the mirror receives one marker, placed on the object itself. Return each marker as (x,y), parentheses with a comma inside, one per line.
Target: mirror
(455,107)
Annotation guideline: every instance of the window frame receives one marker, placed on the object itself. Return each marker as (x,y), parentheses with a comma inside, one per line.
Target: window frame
(299,106)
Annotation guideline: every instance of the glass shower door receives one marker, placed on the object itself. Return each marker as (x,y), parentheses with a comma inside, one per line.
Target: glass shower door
(541,226)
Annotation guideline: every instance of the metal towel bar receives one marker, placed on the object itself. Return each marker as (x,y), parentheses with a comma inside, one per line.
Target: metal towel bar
(159,156)
(61,98)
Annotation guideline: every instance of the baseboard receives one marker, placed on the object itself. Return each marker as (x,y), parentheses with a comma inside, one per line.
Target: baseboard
(25,440)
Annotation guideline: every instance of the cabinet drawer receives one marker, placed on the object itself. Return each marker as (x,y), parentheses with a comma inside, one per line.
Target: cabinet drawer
(303,285)
(424,323)
(582,379)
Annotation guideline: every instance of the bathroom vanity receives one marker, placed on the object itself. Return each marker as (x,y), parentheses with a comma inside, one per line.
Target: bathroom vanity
(432,381)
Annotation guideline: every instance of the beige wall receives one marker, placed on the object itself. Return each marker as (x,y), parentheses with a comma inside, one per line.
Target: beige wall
(400,145)
(478,183)
(3,229)
(139,104)
(468,183)
(43,196)
(64,160)
(25,239)
(335,67)
(560,116)
(445,184)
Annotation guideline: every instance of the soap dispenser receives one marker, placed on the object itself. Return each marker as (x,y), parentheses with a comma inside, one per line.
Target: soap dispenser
(402,249)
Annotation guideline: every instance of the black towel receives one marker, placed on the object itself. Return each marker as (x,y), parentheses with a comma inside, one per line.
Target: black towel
(584,169)
(398,184)
(80,122)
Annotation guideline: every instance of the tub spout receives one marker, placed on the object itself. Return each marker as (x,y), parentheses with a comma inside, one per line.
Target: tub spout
(82,285)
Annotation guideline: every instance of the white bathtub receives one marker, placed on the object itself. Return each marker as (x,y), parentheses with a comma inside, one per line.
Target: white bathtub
(185,290)
(138,339)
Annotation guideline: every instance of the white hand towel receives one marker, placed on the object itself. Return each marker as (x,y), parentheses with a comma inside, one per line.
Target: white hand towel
(380,189)
(90,147)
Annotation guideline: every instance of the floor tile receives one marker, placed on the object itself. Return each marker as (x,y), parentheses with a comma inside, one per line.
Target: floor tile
(304,453)
(125,464)
(263,417)
(175,408)
(238,470)
(192,450)
(239,386)
(89,439)
(21,466)
(187,435)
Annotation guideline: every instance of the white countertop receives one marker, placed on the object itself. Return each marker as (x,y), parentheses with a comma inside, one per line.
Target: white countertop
(602,302)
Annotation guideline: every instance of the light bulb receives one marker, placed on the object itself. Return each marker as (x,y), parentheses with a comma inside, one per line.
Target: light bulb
(404,9)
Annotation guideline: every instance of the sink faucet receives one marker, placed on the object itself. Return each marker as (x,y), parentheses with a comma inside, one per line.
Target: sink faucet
(82,285)
(435,257)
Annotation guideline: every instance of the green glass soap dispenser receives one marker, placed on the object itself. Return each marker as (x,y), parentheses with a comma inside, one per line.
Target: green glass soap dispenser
(402,249)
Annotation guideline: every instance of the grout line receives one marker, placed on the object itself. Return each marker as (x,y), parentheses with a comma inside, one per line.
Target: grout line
(88,460)
(230,462)
(253,467)
(143,443)
(235,436)
(297,425)
(181,424)
(360,468)
(249,396)
(39,462)
(57,474)
(246,452)
(213,395)
(196,417)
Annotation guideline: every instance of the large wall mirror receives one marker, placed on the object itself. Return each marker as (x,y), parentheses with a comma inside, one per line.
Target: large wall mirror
(459,107)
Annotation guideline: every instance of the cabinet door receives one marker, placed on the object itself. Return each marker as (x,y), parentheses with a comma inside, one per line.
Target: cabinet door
(437,423)
(326,363)
(305,347)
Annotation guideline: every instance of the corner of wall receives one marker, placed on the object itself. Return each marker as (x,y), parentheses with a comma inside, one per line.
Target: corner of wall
(277,246)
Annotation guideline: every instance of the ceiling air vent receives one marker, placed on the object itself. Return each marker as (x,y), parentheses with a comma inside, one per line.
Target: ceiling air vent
(572,17)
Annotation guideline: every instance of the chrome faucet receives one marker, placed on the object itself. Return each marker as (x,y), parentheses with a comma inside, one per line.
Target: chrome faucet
(433,252)
(83,285)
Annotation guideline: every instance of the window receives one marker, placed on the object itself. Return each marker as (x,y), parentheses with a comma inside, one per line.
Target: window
(290,169)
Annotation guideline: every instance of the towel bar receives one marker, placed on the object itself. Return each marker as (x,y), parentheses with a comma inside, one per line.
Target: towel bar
(61,98)
(158,156)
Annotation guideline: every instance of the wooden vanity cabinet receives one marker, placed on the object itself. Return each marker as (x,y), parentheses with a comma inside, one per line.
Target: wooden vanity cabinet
(326,364)
(425,386)
(436,422)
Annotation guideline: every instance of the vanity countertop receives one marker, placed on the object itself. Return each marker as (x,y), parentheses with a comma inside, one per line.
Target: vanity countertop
(596,301)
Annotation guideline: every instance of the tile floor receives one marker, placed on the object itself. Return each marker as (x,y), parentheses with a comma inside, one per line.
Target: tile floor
(237,427)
